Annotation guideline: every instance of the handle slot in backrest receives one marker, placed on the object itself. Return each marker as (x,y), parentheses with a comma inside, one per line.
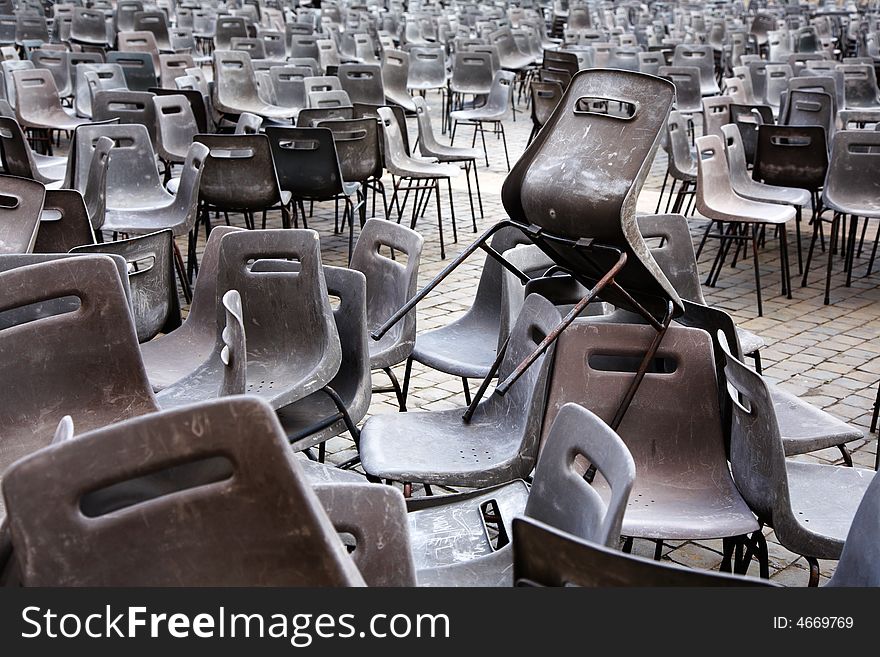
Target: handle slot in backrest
(610,107)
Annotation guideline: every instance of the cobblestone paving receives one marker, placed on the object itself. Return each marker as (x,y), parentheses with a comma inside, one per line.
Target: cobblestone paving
(829,355)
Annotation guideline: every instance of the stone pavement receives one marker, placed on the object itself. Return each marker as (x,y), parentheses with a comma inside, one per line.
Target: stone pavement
(829,355)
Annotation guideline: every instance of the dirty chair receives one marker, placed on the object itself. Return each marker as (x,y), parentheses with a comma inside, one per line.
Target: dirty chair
(155,22)
(688,95)
(234,158)
(292,341)
(590,368)
(64,223)
(88,29)
(172,67)
(716,113)
(20,160)
(427,70)
(718,202)
(492,112)
(680,165)
(859,563)
(778,76)
(498,444)
(21,203)
(150,260)
(235,88)
(744,185)
(860,86)
(58,62)
(748,118)
(175,129)
(308,169)
(227,28)
(287,83)
(849,190)
(545,556)
(174,356)
(137,67)
(38,105)
(90,78)
(100,382)
(248,124)
(362,83)
(809,506)
(344,402)
(430,148)
(127,107)
(545,97)
(390,284)
(325,99)
(701,57)
(419,175)
(395,74)
(450,544)
(176,512)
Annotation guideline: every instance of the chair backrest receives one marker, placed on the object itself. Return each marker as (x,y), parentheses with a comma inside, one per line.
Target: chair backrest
(88,26)
(713,178)
(748,118)
(269,508)
(287,83)
(860,85)
(792,156)
(778,76)
(234,158)
(123,19)
(758,72)
(21,202)
(128,107)
(234,81)
(390,282)
(273,42)
(97,382)
(427,67)
(306,161)
(859,563)
(31,27)
(288,318)
(304,45)
(549,188)
(687,86)
(395,73)
(700,56)
(142,41)
(94,189)
(358,147)
(252,46)
(8,67)
(151,279)
(546,556)
(650,62)
(175,126)
(172,67)
(855,163)
(716,113)
(562,498)
(802,107)
(545,98)
(107,77)
(137,67)
(155,22)
(324,99)
(196,100)
(362,83)
(64,223)
(15,152)
(471,70)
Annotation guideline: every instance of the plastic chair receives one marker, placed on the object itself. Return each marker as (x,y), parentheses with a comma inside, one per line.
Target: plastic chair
(420,176)
(252,46)
(546,556)
(91,78)
(123,19)
(719,202)
(157,23)
(703,58)
(140,42)
(688,94)
(390,284)
(327,99)
(591,366)
(308,169)
(31,28)
(58,62)
(801,107)
(748,118)
(858,565)
(175,129)
(232,158)
(854,161)
(681,165)
(21,202)
(809,506)
(493,112)
(778,76)
(273,44)
(860,86)
(172,67)
(127,107)
(79,383)
(226,28)
(235,89)
(472,75)
(39,105)
(395,75)
(500,441)
(427,69)
(151,279)
(301,548)
(545,97)
(64,223)
(137,67)
(362,83)
(88,28)
(449,533)
(304,45)
(716,113)
(18,158)
(292,341)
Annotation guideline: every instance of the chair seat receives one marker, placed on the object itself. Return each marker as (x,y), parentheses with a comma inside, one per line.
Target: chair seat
(388,351)
(132,199)
(866,204)
(169,358)
(749,342)
(470,89)
(460,349)
(450,542)
(440,448)
(478,114)
(805,428)
(756,191)
(314,408)
(282,383)
(824,499)
(421,168)
(262,109)
(702,506)
(143,221)
(454,154)
(403,100)
(847,116)
(55,119)
(517,64)
(743,210)
(322,473)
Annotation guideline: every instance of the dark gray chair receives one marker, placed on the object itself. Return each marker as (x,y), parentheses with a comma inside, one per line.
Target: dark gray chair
(235,88)
(809,506)
(64,223)
(859,563)
(223,500)
(21,204)
(497,444)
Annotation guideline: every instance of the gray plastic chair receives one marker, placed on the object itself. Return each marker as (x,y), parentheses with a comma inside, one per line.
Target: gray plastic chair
(58,62)
(175,129)
(688,94)
(702,58)
(395,74)
(860,86)
(91,78)
(269,509)
(39,105)
(64,223)
(390,284)
(860,560)
(8,67)
(809,506)
(140,42)
(150,261)
(683,489)
(127,107)
(492,112)
(235,88)
(98,383)
(546,556)
(326,99)
(293,345)
(497,445)
(20,160)
(718,202)
(287,83)
(681,165)
(88,28)
(362,83)
(155,22)
(21,203)
(137,67)
(172,67)
(419,175)
(449,533)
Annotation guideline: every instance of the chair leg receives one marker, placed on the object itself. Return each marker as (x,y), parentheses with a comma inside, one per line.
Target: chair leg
(480,195)
(407,374)
(467,177)
(504,141)
(756,357)
(814,572)
(662,189)
(797,228)
(832,244)
(786,270)
(757,269)
(440,219)
(452,210)
(467,391)
(180,268)
(398,391)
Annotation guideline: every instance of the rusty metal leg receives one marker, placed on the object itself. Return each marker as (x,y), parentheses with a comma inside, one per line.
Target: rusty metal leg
(814,571)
